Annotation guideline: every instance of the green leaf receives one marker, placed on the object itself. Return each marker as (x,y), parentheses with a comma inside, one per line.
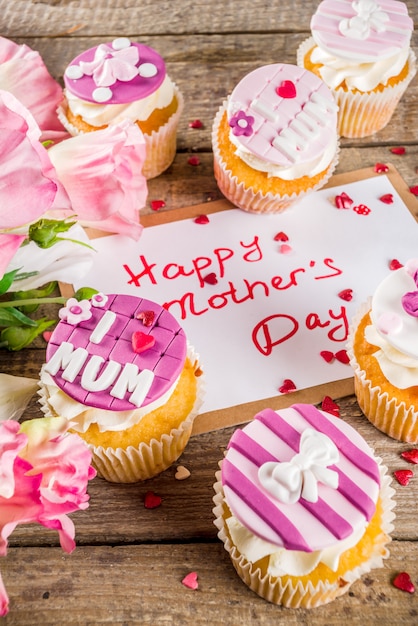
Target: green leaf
(6,281)
(85,293)
(9,316)
(14,338)
(33,294)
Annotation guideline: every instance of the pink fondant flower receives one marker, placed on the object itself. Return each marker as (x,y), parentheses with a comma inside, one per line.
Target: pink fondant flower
(110,64)
(24,74)
(76,311)
(242,124)
(44,474)
(99,300)
(102,174)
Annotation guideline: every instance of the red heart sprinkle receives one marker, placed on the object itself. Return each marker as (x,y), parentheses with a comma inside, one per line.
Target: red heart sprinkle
(387,198)
(403,476)
(410,455)
(201,219)
(395,264)
(343,201)
(342,357)
(380,168)
(330,406)
(196,124)
(193,160)
(47,335)
(157,204)
(346,294)
(288,386)
(190,581)
(152,500)
(327,356)
(414,190)
(398,150)
(286,89)
(147,317)
(142,341)
(210,278)
(281,236)
(403,582)
(285,249)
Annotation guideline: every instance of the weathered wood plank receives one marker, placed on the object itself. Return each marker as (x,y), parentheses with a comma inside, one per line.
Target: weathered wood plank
(124,17)
(141,584)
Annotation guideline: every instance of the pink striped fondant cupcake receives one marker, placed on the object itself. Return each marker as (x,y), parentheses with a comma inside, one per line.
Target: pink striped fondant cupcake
(303,506)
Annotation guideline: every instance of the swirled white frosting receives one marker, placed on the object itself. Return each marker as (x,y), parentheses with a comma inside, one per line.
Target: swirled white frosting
(362,76)
(400,369)
(103,114)
(288,562)
(297,170)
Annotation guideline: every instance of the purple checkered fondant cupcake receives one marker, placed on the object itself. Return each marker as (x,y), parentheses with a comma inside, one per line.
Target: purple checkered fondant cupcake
(121,370)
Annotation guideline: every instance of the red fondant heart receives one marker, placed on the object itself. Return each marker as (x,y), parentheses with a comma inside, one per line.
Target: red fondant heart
(395,264)
(403,582)
(286,89)
(285,249)
(190,581)
(327,355)
(288,386)
(157,204)
(342,357)
(152,500)
(343,201)
(201,219)
(410,455)
(210,278)
(380,168)
(387,198)
(196,124)
(403,476)
(147,317)
(398,150)
(330,406)
(346,294)
(281,236)
(142,341)
(414,190)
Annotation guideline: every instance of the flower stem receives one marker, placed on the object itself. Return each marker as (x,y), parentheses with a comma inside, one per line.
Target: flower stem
(30,301)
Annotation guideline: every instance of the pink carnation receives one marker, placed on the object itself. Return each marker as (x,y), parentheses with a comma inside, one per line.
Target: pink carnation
(44,474)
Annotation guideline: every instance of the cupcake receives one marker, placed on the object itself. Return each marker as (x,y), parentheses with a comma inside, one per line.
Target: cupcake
(303,506)
(383,351)
(124,80)
(362,51)
(121,371)
(274,138)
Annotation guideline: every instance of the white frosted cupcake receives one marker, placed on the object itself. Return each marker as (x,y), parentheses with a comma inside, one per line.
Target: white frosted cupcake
(124,80)
(120,370)
(275,138)
(362,51)
(303,506)
(383,350)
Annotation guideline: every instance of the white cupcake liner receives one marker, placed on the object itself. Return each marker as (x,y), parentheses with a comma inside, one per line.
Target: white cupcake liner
(246,198)
(161,144)
(363,114)
(299,595)
(387,414)
(135,464)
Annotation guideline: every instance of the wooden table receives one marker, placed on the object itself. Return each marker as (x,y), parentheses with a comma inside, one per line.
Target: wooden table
(129,561)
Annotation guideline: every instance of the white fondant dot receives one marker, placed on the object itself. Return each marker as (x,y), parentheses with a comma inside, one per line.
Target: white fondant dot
(242,123)
(147,70)
(102,94)
(120,43)
(74,72)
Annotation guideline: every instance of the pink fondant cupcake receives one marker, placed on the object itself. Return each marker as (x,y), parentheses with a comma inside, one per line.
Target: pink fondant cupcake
(120,369)
(362,51)
(124,80)
(274,138)
(303,506)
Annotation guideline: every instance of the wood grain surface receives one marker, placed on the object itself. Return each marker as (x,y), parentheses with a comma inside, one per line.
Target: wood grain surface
(130,561)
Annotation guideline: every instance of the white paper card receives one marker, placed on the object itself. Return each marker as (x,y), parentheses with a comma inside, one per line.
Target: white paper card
(272,309)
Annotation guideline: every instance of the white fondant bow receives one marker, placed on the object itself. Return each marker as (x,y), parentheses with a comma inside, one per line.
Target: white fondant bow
(369,16)
(110,65)
(299,477)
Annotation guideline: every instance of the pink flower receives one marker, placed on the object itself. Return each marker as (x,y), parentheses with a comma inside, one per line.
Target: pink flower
(43,477)
(102,174)
(242,124)
(75,311)
(24,74)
